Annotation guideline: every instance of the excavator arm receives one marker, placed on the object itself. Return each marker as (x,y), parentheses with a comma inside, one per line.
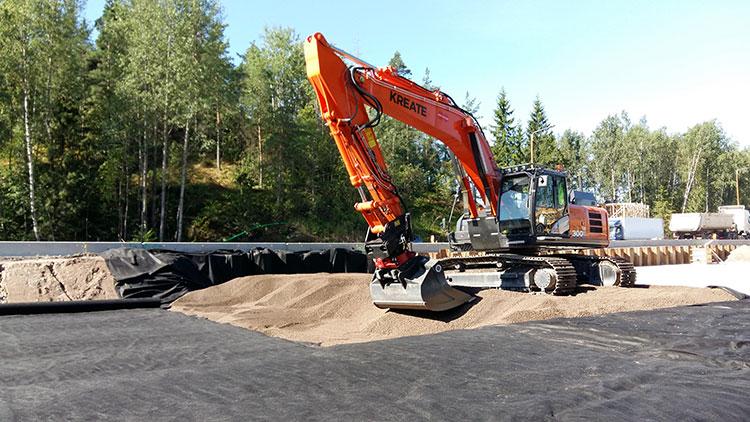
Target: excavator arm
(352,99)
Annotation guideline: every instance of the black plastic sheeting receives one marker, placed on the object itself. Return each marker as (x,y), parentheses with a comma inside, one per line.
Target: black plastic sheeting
(685,364)
(167,275)
(70,306)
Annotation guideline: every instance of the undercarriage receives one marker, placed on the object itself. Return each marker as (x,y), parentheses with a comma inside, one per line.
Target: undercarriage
(443,284)
(558,274)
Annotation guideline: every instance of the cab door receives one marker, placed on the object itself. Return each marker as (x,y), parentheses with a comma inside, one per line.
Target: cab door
(551,205)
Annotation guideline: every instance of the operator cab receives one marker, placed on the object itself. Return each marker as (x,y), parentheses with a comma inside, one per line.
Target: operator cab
(534,211)
(533,201)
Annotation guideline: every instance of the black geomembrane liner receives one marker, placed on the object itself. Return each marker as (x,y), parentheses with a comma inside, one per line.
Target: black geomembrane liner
(687,363)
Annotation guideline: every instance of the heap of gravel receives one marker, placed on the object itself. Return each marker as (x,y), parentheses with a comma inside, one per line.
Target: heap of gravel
(330,309)
(55,279)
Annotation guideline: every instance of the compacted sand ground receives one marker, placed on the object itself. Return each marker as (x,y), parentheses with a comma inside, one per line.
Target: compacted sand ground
(330,309)
(55,279)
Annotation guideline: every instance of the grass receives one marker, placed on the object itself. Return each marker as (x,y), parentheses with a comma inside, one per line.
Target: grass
(205,173)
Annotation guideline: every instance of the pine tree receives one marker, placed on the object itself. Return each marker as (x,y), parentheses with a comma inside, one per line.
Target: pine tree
(274,93)
(471,104)
(508,147)
(397,63)
(427,80)
(545,150)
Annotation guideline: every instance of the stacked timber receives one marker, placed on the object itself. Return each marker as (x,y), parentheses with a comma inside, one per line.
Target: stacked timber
(627,209)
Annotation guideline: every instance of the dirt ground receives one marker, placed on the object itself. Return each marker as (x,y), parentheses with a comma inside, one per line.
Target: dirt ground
(55,279)
(330,309)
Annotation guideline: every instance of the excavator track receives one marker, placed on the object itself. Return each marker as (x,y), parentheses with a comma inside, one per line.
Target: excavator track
(628,270)
(585,263)
(562,269)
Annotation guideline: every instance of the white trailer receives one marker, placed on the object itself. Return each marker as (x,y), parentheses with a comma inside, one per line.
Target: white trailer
(702,225)
(636,228)
(741,218)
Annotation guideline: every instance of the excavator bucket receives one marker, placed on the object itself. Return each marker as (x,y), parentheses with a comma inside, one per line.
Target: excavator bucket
(421,287)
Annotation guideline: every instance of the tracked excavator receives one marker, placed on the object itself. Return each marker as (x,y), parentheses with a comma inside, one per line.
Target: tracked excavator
(521,217)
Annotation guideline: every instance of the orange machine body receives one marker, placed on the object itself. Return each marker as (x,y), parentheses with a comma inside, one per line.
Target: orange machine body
(590,223)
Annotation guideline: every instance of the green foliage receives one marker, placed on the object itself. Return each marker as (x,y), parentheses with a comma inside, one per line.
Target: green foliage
(662,207)
(420,167)
(14,222)
(509,146)
(427,80)
(573,148)
(108,125)
(471,104)
(539,132)
(689,172)
(397,63)
(43,67)
(291,153)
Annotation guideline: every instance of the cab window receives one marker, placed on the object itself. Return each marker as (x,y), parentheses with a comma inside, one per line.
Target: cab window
(514,213)
(550,205)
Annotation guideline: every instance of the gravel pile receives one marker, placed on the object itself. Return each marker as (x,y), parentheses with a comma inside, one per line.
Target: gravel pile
(55,279)
(330,309)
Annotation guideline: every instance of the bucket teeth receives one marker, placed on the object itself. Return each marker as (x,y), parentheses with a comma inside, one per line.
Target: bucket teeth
(421,286)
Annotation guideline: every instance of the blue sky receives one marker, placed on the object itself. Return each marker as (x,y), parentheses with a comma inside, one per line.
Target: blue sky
(676,62)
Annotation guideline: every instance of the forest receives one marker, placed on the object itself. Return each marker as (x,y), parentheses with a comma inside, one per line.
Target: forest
(150,131)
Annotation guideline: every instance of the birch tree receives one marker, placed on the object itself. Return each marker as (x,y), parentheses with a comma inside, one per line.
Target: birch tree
(201,64)
(21,39)
(42,61)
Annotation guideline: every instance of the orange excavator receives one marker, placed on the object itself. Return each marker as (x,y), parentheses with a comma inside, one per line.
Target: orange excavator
(522,217)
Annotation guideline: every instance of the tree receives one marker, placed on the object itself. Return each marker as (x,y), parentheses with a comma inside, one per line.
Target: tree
(538,129)
(44,49)
(201,54)
(703,163)
(427,80)
(109,114)
(152,130)
(21,40)
(471,104)
(397,63)
(274,93)
(508,147)
(607,154)
(171,71)
(573,149)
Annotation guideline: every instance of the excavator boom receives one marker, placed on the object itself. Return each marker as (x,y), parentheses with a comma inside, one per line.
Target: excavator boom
(523,209)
